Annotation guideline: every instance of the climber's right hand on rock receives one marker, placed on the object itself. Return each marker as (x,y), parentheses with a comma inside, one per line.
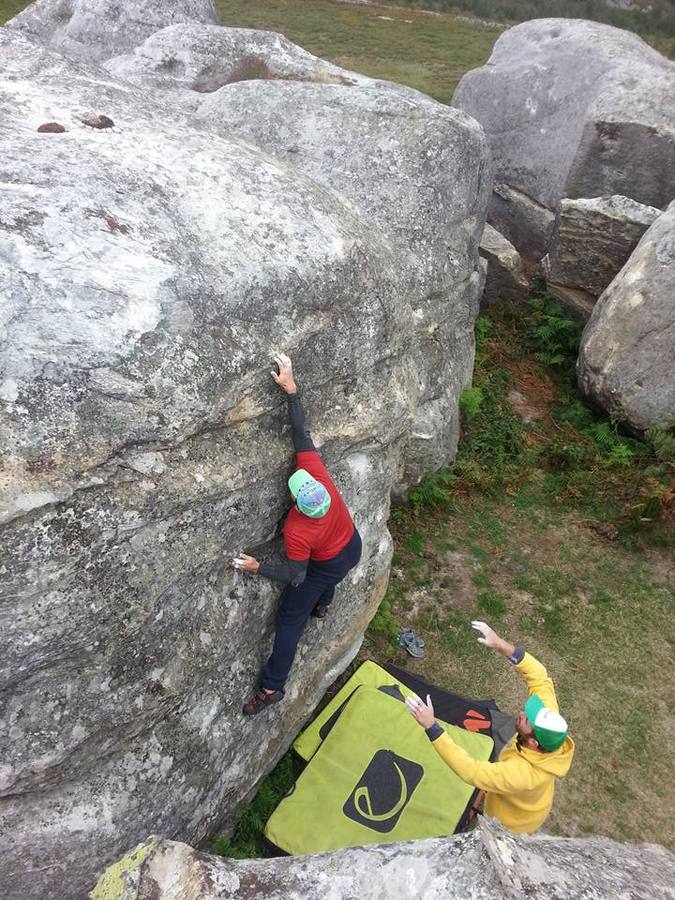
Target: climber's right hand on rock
(285,378)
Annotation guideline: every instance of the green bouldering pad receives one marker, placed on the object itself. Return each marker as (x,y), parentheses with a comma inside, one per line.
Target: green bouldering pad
(368,673)
(473,715)
(375,778)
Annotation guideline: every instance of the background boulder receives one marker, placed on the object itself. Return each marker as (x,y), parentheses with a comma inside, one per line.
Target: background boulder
(571,109)
(506,280)
(592,241)
(488,863)
(628,346)
(202,59)
(98,29)
(154,252)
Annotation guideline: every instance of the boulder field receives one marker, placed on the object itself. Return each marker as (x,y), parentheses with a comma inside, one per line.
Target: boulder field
(580,118)
(571,109)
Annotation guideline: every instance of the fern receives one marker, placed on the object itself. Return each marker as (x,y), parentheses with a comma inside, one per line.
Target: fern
(662,443)
(484,329)
(620,455)
(432,492)
(555,336)
(470,403)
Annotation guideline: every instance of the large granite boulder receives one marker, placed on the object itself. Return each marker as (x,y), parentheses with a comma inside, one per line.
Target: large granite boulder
(488,863)
(592,241)
(627,354)
(571,109)
(153,254)
(99,29)
(323,123)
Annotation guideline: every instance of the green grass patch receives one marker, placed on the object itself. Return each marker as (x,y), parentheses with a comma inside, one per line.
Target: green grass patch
(11,8)
(654,21)
(414,542)
(247,839)
(492,604)
(428,53)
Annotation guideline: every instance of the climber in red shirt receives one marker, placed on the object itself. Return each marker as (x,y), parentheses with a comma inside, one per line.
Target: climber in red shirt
(321,543)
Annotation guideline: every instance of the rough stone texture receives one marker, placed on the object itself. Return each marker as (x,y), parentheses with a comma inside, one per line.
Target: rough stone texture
(98,29)
(485,864)
(506,280)
(571,109)
(203,59)
(627,354)
(592,241)
(147,271)
(312,120)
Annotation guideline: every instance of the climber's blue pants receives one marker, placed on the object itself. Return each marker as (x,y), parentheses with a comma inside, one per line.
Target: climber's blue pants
(298,602)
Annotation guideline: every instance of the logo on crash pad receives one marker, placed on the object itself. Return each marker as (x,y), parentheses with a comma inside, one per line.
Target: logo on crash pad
(383,791)
(476,721)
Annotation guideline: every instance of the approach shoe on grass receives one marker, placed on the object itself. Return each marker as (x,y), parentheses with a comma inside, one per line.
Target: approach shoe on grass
(260,700)
(411,642)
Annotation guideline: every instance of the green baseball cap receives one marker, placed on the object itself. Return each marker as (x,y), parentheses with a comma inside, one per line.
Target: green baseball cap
(310,495)
(550,729)
(296,481)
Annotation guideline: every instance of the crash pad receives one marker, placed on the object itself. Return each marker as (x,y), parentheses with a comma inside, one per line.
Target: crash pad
(375,778)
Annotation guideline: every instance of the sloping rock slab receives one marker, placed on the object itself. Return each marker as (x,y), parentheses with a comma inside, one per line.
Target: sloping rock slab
(506,280)
(626,360)
(485,864)
(571,109)
(324,123)
(592,241)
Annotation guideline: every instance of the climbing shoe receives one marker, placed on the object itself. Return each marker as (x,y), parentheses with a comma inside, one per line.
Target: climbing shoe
(260,700)
(320,611)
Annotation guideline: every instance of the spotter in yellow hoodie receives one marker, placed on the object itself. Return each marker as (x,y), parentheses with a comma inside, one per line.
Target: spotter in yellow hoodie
(518,787)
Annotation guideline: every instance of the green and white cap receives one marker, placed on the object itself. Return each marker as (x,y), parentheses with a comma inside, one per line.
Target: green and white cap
(310,495)
(550,729)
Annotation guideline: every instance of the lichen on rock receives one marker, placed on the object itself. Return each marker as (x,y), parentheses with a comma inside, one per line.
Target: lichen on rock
(488,863)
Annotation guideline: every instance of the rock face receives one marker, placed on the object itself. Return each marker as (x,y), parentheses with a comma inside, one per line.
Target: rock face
(485,864)
(628,346)
(571,109)
(592,241)
(99,29)
(154,250)
(506,280)
(203,59)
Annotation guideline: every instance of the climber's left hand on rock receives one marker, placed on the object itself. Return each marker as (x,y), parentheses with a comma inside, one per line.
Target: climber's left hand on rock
(245,563)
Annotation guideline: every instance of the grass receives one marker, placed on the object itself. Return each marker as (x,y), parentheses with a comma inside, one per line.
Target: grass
(558,531)
(10,8)
(247,839)
(429,53)
(653,21)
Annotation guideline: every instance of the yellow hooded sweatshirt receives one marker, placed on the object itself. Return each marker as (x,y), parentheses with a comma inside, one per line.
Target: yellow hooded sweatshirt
(519,786)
